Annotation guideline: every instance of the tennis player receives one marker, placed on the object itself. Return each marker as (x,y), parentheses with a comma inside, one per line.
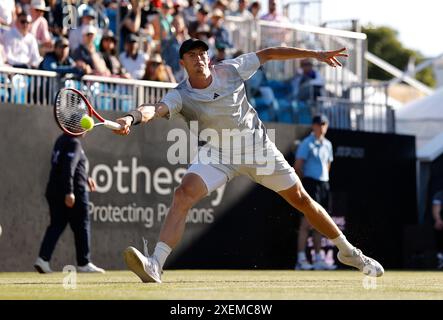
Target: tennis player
(214,97)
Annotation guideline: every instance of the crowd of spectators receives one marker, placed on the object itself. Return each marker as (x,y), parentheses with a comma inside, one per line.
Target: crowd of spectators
(131,39)
(135,39)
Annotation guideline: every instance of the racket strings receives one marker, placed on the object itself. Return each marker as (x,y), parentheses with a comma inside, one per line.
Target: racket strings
(70,108)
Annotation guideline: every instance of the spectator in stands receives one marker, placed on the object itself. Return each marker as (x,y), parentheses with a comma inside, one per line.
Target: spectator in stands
(307,85)
(220,49)
(157,70)
(242,10)
(132,59)
(107,49)
(21,47)
(271,37)
(111,10)
(313,162)
(75,35)
(39,26)
(170,49)
(55,17)
(190,12)
(203,33)
(220,4)
(259,91)
(163,21)
(437,214)
(7,12)
(131,19)
(178,7)
(86,53)
(272,15)
(60,61)
(218,31)
(255,10)
(202,19)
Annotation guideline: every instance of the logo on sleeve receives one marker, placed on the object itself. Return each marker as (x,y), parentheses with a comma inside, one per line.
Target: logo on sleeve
(216,95)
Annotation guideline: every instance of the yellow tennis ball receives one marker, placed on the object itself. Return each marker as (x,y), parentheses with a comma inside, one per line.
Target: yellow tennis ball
(87,122)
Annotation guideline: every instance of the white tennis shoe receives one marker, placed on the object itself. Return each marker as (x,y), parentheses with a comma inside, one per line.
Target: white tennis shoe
(90,268)
(145,267)
(357,259)
(42,266)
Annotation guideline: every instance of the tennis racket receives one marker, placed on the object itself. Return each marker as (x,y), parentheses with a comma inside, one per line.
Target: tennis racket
(71,106)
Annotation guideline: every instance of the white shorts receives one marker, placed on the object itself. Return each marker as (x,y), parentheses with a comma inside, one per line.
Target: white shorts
(275,173)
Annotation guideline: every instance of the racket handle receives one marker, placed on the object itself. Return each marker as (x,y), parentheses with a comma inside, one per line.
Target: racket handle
(112,125)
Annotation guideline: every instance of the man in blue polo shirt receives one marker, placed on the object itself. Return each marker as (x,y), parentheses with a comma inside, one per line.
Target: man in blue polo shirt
(313,161)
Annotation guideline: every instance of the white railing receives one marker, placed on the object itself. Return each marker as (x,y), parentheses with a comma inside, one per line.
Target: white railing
(402,76)
(26,86)
(251,35)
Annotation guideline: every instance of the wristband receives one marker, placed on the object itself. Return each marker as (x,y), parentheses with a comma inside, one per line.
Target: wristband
(136,116)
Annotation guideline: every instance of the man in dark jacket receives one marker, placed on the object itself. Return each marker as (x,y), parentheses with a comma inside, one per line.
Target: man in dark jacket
(60,61)
(68,197)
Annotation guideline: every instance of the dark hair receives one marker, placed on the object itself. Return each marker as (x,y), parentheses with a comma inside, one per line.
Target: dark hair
(113,51)
(255,4)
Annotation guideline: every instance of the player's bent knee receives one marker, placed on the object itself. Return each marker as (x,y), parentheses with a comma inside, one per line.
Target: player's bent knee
(185,196)
(298,197)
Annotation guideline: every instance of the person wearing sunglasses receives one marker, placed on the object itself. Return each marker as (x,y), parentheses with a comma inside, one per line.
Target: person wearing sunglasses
(21,47)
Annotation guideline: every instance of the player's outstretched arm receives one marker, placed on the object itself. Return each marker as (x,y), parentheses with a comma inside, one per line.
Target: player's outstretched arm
(143,114)
(287,53)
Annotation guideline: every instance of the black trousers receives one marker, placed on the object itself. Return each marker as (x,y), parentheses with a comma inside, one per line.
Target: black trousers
(318,190)
(78,220)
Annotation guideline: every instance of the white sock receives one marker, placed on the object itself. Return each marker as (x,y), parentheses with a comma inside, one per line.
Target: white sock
(343,244)
(161,253)
(301,256)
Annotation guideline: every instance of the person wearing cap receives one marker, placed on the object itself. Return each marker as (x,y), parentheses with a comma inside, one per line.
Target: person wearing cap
(86,53)
(201,19)
(67,195)
(39,26)
(21,46)
(60,61)
(220,53)
(307,85)
(312,164)
(212,99)
(76,35)
(132,59)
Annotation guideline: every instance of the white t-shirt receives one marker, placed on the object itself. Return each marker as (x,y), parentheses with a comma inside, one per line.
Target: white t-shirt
(222,106)
(136,68)
(21,49)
